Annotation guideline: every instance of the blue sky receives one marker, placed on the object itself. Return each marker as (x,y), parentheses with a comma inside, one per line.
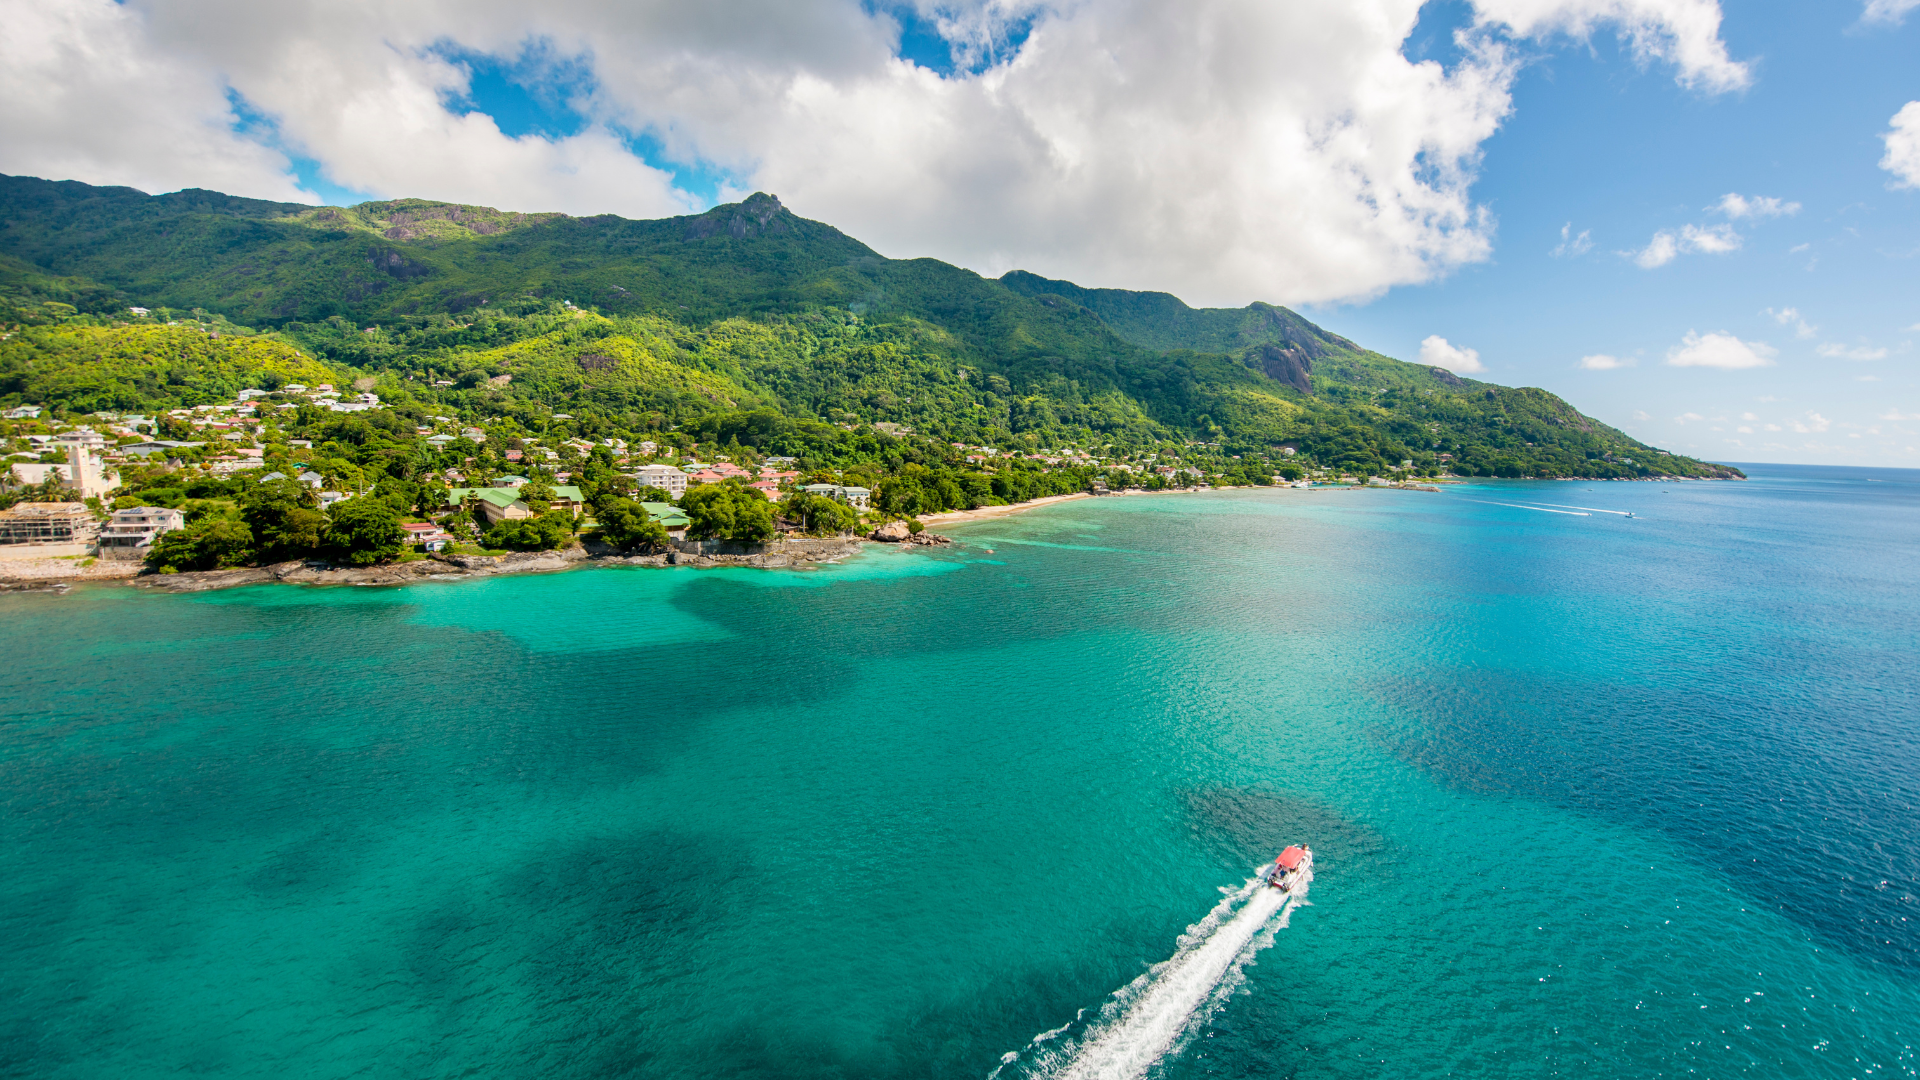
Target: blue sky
(1571,194)
(1615,150)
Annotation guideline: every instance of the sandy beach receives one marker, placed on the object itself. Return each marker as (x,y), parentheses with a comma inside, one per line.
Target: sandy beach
(959,517)
(956,517)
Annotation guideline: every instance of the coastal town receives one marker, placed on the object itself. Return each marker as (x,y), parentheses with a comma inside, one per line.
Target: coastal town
(108,488)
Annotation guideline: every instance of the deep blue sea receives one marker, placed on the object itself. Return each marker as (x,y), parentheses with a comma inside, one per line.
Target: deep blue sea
(1590,795)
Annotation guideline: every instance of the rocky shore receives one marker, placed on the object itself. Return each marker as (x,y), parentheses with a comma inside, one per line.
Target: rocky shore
(784,553)
(449,567)
(438,567)
(443,567)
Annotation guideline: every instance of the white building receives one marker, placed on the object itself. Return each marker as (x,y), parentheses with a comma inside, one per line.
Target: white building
(667,478)
(24,412)
(33,472)
(84,437)
(131,533)
(82,472)
(856,497)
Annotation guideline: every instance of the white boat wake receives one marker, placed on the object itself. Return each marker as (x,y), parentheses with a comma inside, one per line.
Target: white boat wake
(1156,1013)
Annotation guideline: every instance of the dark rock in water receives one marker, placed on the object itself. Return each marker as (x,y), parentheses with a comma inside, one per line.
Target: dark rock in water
(1252,824)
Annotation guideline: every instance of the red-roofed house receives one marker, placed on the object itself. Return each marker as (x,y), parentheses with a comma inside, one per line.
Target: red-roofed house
(426,534)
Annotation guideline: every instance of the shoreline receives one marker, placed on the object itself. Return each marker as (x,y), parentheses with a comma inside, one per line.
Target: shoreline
(439,568)
(60,574)
(986,513)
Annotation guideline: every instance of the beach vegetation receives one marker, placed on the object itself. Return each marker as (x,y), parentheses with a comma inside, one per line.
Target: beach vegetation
(363,532)
(625,525)
(814,514)
(727,511)
(547,532)
(211,544)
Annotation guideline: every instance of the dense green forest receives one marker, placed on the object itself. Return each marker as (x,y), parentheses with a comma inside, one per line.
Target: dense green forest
(782,332)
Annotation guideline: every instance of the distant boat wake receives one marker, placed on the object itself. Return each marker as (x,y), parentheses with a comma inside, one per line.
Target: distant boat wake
(1158,1012)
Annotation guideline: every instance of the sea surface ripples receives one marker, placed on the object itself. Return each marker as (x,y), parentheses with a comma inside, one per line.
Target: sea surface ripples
(1590,796)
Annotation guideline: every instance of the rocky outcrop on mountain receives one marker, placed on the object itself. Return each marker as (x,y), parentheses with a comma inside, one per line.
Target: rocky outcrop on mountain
(1283,363)
(760,215)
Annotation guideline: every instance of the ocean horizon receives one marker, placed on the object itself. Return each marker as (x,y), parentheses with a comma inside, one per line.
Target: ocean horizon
(1601,779)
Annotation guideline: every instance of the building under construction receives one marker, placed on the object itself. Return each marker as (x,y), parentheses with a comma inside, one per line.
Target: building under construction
(48,523)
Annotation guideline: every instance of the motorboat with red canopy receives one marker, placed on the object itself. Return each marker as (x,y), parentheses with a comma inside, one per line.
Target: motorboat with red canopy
(1291,866)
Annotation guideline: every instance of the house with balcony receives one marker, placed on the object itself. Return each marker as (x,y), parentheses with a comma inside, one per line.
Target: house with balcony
(131,532)
(856,497)
(667,478)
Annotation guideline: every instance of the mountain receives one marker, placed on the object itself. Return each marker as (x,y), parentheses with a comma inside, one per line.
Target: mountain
(639,325)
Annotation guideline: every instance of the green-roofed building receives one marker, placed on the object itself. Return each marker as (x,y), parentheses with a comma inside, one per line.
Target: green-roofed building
(497,503)
(505,504)
(671,518)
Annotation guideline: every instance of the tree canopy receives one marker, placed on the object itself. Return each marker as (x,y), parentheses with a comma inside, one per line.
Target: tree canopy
(729,511)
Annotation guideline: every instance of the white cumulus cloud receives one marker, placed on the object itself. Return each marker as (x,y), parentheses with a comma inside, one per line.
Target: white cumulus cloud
(1792,317)
(1814,424)
(1739,206)
(1685,33)
(1851,352)
(1714,240)
(1603,362)
(1660,251)
(1572,246)
(1903,146)
(1719,351)
(1887,12)
(1436,351)
(89,97)
(1691,239)
(1226,149)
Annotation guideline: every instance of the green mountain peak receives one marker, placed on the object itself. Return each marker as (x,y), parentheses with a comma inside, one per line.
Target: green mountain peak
(650,323)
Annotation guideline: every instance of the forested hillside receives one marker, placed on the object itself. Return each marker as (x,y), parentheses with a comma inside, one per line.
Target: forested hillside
(636,326)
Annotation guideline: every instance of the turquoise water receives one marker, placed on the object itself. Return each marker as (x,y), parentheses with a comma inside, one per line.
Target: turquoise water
(1591,796)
